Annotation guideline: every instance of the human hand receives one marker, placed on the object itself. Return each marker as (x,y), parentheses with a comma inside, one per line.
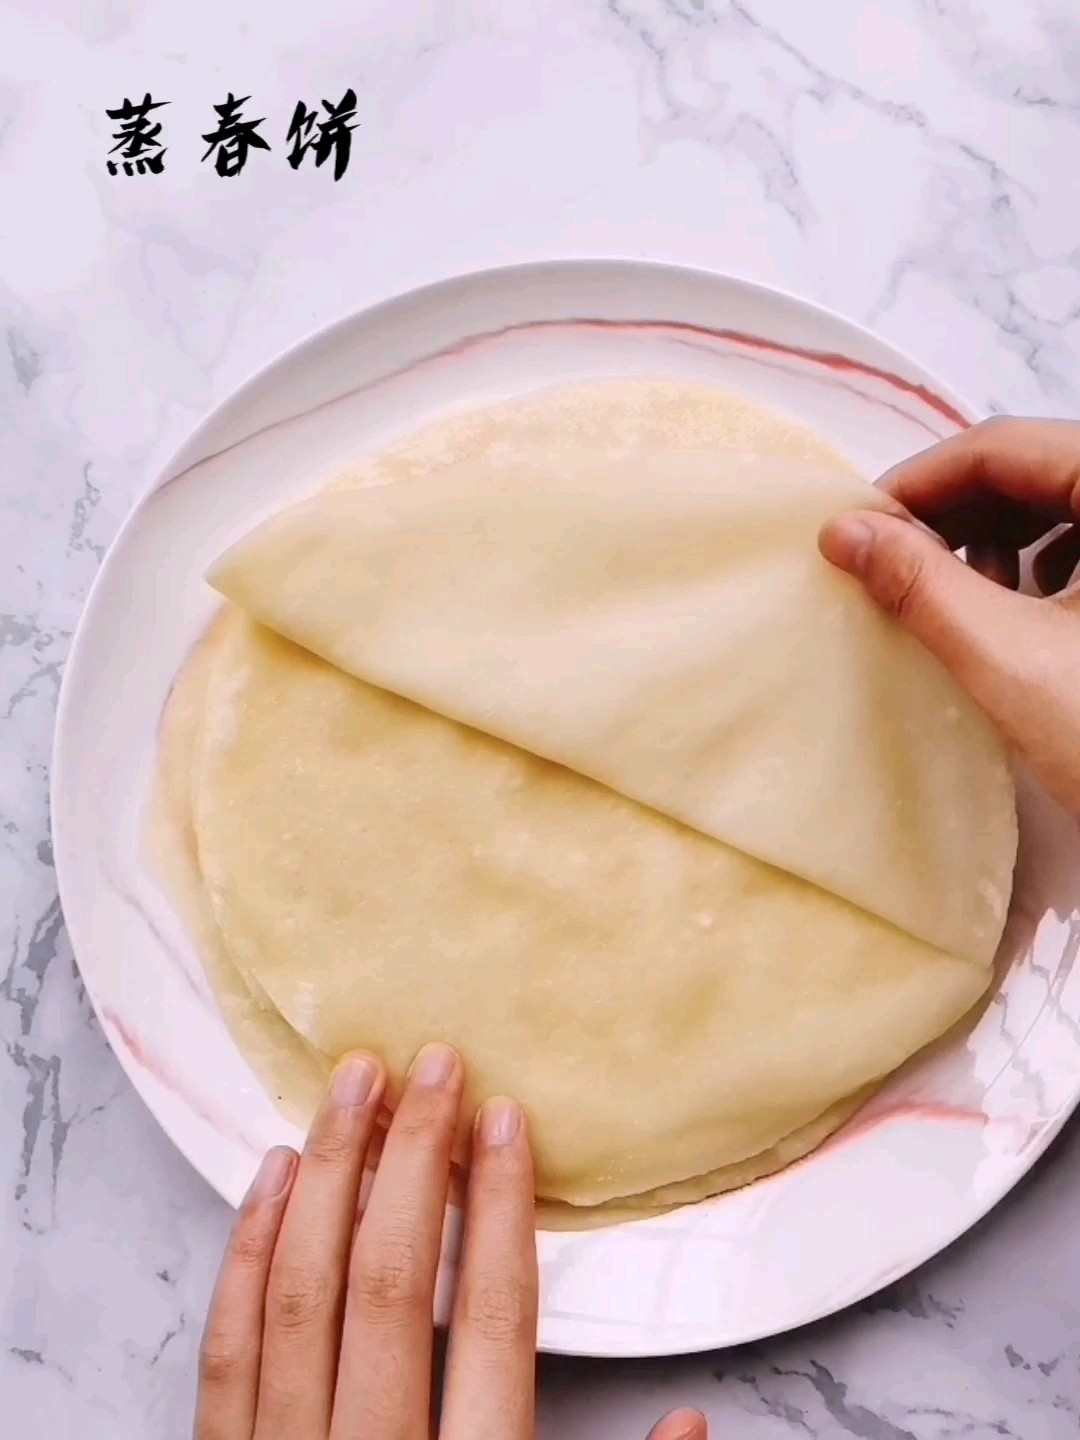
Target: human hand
(995,489)
(321,1323)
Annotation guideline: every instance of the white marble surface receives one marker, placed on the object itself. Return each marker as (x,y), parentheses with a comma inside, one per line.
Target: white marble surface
(911,162)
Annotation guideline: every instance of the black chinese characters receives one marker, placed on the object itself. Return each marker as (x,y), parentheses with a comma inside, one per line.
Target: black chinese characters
(233,137)
(333,135)
(137,140)
(323,133)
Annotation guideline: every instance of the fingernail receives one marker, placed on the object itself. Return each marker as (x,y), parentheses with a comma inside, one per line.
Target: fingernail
(433,1066)
(846,542)
(273,1174)
(353,1080)
(679,1425)
(500,1121)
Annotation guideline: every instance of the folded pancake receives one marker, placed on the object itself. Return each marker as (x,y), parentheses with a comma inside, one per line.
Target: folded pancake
(665,625)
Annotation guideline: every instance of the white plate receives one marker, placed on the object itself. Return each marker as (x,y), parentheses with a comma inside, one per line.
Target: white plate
(930,1155)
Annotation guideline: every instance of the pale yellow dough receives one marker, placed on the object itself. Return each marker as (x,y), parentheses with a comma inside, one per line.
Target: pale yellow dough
(290,1068)
(665,624)
(772,864)
(391,877)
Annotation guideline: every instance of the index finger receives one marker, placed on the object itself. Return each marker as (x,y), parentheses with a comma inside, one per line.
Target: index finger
(491,1372)
(1032,464)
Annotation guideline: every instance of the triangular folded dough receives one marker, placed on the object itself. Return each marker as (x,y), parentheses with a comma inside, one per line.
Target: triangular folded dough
(665,625)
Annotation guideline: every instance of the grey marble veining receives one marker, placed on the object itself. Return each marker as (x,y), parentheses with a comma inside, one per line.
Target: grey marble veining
(912,163)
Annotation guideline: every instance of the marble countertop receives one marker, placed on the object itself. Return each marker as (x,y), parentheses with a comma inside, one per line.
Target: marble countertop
(910,162)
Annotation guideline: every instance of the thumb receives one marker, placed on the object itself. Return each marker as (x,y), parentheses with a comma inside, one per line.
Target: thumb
(1001,647)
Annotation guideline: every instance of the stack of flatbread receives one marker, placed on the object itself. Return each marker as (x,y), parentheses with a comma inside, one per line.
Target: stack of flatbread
(585,762)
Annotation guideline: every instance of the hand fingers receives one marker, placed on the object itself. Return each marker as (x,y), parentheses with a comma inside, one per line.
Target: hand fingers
(308,1278)
(1016,656)
(680,1425)
(974,629)
(1055,563)
(491,1376)
(229,1360)
(1031,464)
(384,1378)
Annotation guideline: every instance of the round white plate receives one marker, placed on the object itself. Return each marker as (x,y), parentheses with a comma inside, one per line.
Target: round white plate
(939,1145)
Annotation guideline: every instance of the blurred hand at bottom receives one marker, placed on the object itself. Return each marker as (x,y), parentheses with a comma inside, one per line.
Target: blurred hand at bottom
(321,1323)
